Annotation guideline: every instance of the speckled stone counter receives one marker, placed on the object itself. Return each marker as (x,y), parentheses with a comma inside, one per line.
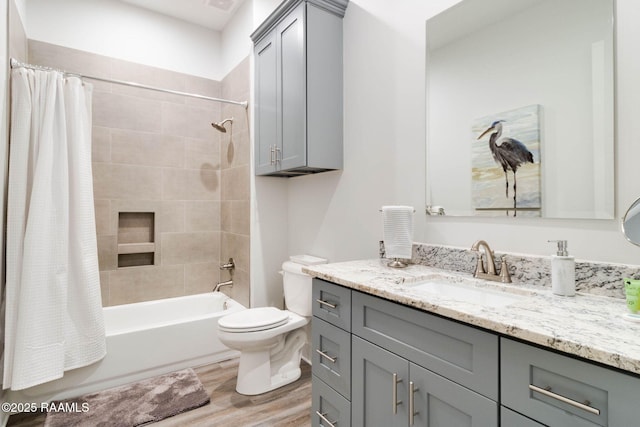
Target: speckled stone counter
(588,326)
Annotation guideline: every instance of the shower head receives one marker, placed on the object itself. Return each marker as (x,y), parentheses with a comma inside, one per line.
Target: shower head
(220,125)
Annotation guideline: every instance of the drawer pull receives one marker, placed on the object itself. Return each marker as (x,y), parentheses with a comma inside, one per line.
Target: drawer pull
(324,418)
(326,356)
(328,304)
(412,412)
(394,393)
(547,392)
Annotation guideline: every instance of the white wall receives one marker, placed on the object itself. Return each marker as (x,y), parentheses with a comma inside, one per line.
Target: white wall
(123,31)
(336,214)
(236,44)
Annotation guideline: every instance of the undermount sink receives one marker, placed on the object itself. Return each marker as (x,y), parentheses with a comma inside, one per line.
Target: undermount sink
(466,293)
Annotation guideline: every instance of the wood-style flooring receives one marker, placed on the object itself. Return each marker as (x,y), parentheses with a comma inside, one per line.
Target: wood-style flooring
(288,406)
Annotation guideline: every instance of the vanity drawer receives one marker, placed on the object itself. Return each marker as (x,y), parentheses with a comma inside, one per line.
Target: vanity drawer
(332,303)
(508,418)
(460,353)
(559,390)
(328,407)
(331,356)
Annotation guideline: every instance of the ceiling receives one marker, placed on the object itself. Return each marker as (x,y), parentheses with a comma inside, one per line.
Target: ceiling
(212,14)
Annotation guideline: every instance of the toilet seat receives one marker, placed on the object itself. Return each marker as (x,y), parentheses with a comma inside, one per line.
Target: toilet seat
(253,320)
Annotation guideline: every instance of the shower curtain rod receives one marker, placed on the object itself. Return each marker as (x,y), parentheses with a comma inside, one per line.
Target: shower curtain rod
(16,64)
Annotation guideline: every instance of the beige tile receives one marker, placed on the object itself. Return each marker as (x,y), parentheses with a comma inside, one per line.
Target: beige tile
(236,82)
(104,288)
(126,112)
(171,217)
(235,183)
(126,182)
(191,184)
(149,76)
(240,217)
(145,148)
(237,247)
(103,217)
(107,253)
(235,149)
(202,216)
(101,144)
(186,248)
(135,284)
(187,120)
(241,289)
(203,153)
(72,60)
(201,277)
(206,87)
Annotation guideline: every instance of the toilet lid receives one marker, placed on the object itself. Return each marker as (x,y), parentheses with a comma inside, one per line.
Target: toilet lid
(253,319)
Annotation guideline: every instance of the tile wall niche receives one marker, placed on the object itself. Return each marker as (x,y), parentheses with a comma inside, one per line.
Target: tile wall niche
(167,186)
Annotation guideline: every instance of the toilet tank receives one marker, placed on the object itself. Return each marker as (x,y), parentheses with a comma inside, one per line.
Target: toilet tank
(297,285)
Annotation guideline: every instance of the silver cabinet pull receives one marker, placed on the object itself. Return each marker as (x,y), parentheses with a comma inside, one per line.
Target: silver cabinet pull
(273,151)
(394,393)
(547,392)
(328,304)
(324,418)
(326,356)
(412,412)
(278,151)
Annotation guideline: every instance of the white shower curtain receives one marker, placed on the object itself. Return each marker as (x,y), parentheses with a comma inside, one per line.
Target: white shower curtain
(54,318)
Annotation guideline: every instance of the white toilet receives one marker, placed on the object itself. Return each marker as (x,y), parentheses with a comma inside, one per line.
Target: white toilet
(270,340)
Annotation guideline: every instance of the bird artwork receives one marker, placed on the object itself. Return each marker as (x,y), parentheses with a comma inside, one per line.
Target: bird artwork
(510,154)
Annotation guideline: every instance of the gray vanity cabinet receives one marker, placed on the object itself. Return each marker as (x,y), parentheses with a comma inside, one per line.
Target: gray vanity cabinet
(331,355)
(413,368)
(561,391)
(298,88)
(396,392)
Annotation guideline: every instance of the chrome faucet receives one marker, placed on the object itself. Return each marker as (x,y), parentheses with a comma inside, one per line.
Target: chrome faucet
(487,270)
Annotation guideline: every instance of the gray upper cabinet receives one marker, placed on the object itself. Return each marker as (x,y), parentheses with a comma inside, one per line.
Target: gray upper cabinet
(298,88)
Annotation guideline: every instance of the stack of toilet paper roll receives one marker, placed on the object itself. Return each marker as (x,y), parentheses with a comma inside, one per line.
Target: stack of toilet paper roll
(398,231)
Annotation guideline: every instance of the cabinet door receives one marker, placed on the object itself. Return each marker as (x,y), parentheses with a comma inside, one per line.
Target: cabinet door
(266,104)
(292,79)
(439,402)
(377,377)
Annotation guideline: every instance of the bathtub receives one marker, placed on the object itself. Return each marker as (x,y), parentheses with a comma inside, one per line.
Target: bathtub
(144,340)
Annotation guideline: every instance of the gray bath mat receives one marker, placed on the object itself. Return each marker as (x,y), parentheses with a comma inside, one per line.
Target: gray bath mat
(132,405)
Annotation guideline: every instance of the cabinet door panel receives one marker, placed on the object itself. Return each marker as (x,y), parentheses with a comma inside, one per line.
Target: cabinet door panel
(439,402)
(266,104)
(373,386)
(293,83)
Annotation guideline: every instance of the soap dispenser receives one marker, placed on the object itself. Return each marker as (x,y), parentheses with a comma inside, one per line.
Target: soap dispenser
(563,271)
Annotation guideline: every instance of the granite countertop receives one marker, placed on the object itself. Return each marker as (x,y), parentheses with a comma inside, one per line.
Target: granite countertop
(592,327)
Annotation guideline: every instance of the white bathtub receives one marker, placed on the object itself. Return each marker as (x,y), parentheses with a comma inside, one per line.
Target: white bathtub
(144,340)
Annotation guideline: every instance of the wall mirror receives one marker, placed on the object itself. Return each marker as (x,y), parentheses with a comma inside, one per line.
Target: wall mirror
(631,223)
(524,85)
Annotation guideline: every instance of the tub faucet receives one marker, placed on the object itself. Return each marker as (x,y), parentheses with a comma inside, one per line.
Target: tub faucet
(489,272)
(221,284)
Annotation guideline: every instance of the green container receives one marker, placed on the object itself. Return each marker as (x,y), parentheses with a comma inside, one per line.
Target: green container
(632,291)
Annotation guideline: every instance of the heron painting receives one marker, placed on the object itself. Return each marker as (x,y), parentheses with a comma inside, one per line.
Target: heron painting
(506,163)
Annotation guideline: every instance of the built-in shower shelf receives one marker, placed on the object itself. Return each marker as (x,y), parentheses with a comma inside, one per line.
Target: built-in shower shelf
(138,243)
(136,248)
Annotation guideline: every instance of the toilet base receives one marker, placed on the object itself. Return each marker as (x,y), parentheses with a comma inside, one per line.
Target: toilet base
(265,370)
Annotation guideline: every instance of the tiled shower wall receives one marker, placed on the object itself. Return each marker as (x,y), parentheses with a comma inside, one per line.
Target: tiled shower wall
(155,155)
